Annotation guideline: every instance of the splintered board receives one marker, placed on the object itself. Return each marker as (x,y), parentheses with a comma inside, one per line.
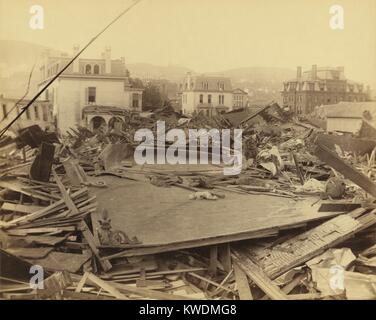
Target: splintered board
(164,219)
(276,260)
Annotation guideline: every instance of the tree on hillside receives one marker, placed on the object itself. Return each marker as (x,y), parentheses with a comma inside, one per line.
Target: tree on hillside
(136,83)
(151,97)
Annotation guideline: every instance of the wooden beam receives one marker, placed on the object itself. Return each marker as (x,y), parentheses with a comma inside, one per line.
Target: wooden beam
(213,265)
(258,276)
(348,171)
(224,256)
(107,286)
(242,283)
(105,264)
(82,282)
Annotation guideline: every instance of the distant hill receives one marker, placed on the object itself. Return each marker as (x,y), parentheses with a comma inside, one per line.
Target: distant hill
(150,71)
(17,59)
(259,74)
(262,83)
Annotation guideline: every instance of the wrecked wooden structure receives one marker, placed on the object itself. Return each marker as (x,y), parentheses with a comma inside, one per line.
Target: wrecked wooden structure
(103,227)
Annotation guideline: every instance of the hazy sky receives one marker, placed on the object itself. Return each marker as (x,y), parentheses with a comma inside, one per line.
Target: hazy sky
(208,35)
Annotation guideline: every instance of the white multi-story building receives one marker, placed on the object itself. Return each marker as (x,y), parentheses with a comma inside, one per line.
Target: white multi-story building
(98,82)
(210,94)
(40,113)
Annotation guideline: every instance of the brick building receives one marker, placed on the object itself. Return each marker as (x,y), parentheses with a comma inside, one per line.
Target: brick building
(320,86)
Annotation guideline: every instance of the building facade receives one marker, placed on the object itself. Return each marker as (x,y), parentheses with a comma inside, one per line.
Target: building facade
(40,113)
(208,94)
(320,86)
(240,99)
(102,82)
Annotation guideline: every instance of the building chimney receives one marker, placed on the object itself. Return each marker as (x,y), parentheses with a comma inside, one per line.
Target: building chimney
(368,93)
(107,58)
(76,63)
(299,73)
(189,80)
(314,72)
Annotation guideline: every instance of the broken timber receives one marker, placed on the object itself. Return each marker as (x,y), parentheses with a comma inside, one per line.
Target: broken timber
(254,272)
(242,284)
(303,247)
(348,171)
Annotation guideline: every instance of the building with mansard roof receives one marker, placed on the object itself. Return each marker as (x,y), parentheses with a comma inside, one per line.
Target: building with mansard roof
(321,86)
(207,94)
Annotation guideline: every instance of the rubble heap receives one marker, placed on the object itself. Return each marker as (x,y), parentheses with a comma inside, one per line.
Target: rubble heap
(48,201)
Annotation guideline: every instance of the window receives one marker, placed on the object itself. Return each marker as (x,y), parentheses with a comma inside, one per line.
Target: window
(5,112)
(88,69)
(27,114)
(45,113)
(36,112)
(221,99)
(135,103)
(91,94)
(201,98)
(209,98)
(96,69)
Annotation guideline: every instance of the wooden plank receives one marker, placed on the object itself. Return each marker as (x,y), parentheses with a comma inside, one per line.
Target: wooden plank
(82,282)
(43,212)
(24,232)
(66,197)
(218,285)
(84,296)
(61,261)
(105,264)
(258,276)
(348,171)
(213,264)
(31,253)
(149,275)
(242,283)
(290,286)
(141,250)
(223,282)
(149,293)
(224,256)
(107,286)
(301,248)
(15,185)
(7,206)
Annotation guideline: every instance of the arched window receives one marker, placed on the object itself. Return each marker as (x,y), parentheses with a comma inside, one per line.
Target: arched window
(96,69)
(88,69)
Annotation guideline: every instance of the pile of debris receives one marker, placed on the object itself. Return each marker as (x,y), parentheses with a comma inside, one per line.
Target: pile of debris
(48,202)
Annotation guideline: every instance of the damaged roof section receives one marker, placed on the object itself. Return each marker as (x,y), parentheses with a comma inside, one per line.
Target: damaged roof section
(101,224)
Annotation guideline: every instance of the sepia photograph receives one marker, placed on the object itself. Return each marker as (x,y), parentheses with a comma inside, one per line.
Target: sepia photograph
(201,151)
